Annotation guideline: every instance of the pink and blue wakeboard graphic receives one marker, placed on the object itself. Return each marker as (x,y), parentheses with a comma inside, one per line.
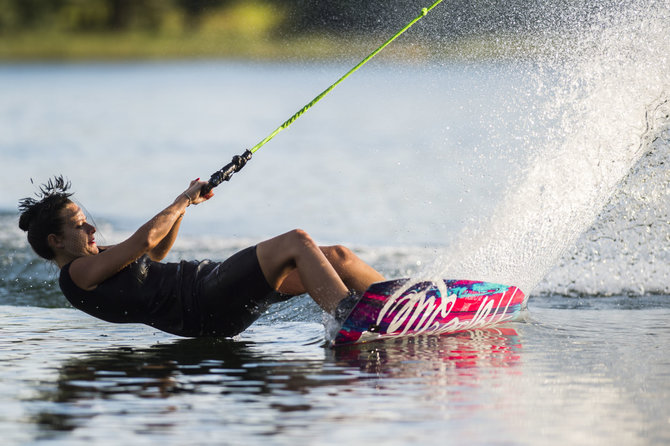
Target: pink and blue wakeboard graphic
(405,307)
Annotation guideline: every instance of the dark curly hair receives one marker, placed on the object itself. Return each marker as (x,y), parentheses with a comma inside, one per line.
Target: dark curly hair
(41,216)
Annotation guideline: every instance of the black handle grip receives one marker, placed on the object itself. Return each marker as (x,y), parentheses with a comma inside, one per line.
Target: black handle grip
(226,172)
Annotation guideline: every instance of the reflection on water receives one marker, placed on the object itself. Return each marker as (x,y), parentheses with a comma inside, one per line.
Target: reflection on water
(173,385)
(493,347)
(70,379)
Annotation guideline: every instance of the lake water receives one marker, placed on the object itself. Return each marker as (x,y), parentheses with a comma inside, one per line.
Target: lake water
(551,175)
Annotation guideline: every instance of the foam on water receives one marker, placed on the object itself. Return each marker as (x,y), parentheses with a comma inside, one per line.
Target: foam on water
(627,250)
(609,84)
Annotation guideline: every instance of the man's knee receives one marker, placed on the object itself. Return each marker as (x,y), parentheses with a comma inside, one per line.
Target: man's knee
(338,254)
(300,238)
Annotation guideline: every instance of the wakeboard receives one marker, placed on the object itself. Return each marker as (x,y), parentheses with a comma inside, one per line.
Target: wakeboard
(406,307)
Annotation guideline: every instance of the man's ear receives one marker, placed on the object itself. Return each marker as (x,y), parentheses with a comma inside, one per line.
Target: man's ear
(54,241)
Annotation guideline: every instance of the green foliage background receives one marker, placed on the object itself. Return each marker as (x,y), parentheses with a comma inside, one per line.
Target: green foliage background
(141,29)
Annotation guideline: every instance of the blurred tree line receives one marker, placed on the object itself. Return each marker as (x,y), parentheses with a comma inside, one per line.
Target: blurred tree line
(457,17)
(265,29)
(101,15)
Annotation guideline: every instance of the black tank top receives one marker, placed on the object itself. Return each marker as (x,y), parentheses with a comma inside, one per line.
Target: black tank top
(162,295)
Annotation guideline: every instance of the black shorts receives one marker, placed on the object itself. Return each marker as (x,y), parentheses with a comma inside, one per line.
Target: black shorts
(233,294)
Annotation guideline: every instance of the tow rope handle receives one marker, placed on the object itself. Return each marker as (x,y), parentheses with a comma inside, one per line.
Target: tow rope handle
(226,172)
(239,161)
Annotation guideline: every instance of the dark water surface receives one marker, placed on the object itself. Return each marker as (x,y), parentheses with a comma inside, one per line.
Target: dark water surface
(596,376)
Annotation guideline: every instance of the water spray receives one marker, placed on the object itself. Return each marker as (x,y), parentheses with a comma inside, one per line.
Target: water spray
(239,161)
